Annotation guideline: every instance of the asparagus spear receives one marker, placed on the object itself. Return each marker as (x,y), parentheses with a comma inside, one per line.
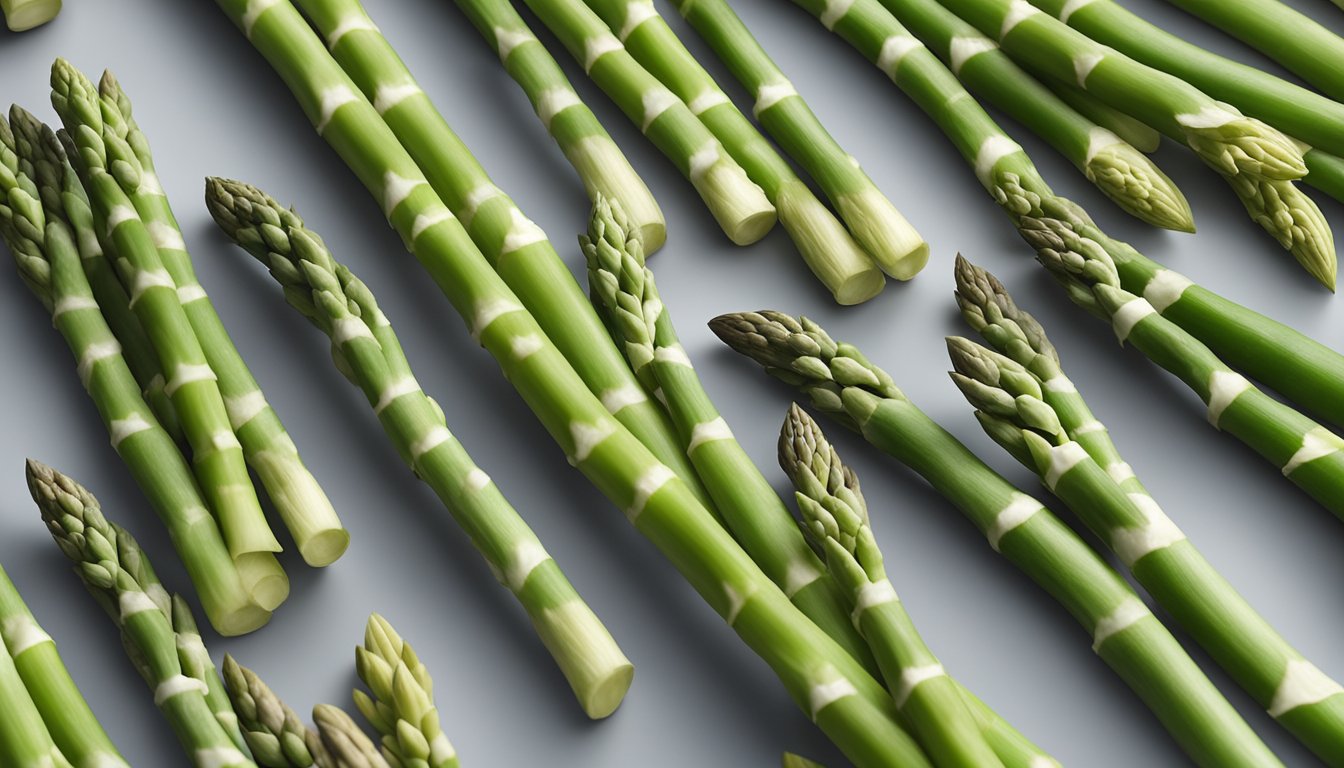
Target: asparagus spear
(840,382)
(1298,367)
(267,447)
(516,247)
(48,259)
(23,15)
(828,249)
(72,726)
(400,702)
(217,456)
(835,517)
(275,734)
(1138,134)
(1121,172)
(370,355)
(881,229)
(118,574)
(345,745)
(24,739)
(849,705)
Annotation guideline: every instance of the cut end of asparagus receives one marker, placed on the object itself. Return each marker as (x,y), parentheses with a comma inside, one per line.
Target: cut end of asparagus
(23,15)
(302,504)
(891,241)
(738,205)
(1236,144)
(606,172)
(597,670)
(827,248)
(1135,183)
(264,579)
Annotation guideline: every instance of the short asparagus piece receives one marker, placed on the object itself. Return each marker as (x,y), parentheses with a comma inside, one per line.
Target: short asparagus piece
(840,382)
(217,456)
(835,517)
(275,734)
(881,229)
(343,743)
(370,355)
(1138,134)
(117,573)
(827,248)
(44,247)
(23,15)
(400,702)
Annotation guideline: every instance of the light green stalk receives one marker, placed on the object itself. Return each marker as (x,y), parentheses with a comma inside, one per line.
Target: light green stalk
(1138,134)
(23,15)
(1298,367)
(835,516)
(275,734)
(826,682)
(370,355)
(400,702)
(828,249)
(196,662)
(267,447)
(343,743)
(107,166)
(48,260)
(515,246)
(840,382)
(881,229)
(1121,172)
(117,573)
(24,739)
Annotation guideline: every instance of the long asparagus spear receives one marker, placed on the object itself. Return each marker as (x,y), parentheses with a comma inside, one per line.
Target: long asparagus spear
(118,574)
(24,739)
(835,517)
(267,447)
(370,355)
(841,383)
(400,702)
(515,246)
(67,717)
(1300,368)
(217,456)
(49,263)
(826,246)
(881,229)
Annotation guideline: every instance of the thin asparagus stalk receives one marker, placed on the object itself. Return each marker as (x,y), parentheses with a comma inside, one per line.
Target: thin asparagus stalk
(625,290)
(24,739)
(267,447)
(516,247)
(49,263)
(344,743)
(72,726)
(400,702)
(275,734)
(835,517)
(881,229)
(1139,135)
(23,15)
(217,456)
(1299,367)
(363,341)
(841,697)
(1121,172)
(117,573)
(840,382)
(1006,393)
(826,246)
(601,165)
(737,204)
(196,662)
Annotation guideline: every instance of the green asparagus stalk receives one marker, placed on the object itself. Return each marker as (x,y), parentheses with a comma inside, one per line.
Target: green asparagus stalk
(1138,134)
(343,743)
(274,733)
(738,204)
(1121,172)
(117,573)
(835,517)
(517,248)
(24,739)
(881,229)
(267,447)
(828,249)
(841,697)
(840,382)
(400,702)
(196,662)
(371,356)
(66,715)
(1300,368)
(44,247)
(1113,505)
(217,456)
(23,15)
(798,761)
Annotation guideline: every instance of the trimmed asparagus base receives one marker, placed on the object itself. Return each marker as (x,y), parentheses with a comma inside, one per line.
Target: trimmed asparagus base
(891,240)
(23,15)
(738,205)
(826,246)
(606,172)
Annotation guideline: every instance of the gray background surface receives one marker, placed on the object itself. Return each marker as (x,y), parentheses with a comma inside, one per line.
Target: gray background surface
(212,106)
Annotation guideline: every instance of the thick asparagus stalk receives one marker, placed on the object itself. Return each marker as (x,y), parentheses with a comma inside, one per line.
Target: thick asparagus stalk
(881,229)
(118,574)
(840,382)
(274,733)
(49,263)
(844,701)
(217,456)
(1141,136)
(267,447)
(371,356)
(400,702)
(1300,368)
(516,247)
(828,249)
(835,517)
(23,15)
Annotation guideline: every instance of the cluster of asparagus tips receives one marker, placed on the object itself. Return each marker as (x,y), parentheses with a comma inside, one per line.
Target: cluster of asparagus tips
(400,701)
